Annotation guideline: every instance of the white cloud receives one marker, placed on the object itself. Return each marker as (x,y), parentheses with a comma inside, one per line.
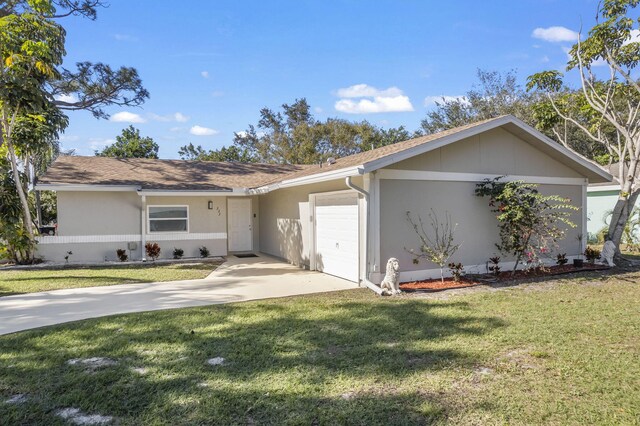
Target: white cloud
(127,117)
(555,34)
(318,110)
(242,134)
(372,100)
(431,100)
(634,37)
(66,98)
(69,138)
(366,91)
(204,74)
(176,129)
(97,144)
(178,116)
(202,131)
(217,93)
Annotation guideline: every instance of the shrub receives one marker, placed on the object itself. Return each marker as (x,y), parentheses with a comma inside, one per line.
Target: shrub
(122,255)
(440,246)
(204,252)
(529,222)
(494,265)
(561,259)
(456,270)
(153,250)
(592,254)
(178,253)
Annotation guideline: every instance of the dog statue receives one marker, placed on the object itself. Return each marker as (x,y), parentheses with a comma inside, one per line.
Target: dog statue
(391,283)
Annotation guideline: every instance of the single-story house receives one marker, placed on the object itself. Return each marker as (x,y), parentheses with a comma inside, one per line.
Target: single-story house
(345,217)
(601,199)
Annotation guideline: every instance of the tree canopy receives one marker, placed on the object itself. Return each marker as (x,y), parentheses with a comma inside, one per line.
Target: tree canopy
(129,144)
(294,136)
(605,108)
(32,82)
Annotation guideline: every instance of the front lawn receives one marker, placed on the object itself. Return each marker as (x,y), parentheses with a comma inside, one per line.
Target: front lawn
(565,352)
(29,281)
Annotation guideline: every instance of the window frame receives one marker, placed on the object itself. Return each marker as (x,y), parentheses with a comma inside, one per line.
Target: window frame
(149,219)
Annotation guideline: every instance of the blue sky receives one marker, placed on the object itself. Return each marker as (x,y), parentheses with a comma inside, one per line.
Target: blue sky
(210,66)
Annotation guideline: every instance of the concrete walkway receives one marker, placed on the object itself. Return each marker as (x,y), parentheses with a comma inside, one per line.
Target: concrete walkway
(236,280)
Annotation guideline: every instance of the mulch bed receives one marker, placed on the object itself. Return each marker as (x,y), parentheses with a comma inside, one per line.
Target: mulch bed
(436,285)
(433,285)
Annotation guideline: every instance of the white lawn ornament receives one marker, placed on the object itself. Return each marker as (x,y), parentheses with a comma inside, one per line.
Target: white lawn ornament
(608,251)
(391,283)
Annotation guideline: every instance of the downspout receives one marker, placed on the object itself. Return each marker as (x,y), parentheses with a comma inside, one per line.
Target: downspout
(365,279)
(143,227)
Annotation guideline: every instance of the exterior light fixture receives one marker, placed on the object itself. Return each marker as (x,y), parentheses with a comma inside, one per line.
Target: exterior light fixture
(210,205)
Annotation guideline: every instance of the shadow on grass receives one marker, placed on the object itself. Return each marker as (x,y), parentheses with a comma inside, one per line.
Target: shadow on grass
(318,361)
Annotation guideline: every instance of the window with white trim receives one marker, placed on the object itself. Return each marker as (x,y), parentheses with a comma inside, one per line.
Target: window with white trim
(168,218)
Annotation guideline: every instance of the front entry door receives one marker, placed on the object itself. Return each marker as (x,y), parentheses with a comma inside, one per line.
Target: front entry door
(239,224)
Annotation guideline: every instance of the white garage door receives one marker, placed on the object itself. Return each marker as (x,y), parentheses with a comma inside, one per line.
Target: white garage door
(337,235)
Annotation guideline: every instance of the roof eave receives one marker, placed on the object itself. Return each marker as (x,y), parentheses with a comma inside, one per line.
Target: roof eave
(310,179)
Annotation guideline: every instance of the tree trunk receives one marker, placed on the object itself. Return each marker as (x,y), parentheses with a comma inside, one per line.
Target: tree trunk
(620,217)
(38,208)
(26,213)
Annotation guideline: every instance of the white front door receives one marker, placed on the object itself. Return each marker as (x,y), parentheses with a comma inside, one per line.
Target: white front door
(336,235)
(239,224)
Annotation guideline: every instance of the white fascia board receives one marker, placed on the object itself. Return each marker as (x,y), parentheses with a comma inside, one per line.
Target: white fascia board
(323,177)
(306,180)
(178,193)
(86,187)
(474,177)
(602,188)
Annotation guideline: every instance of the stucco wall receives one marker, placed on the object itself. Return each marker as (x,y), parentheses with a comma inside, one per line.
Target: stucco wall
(102,214)
(598,203)
(477,229)
(285,220)
(494,152)
(98,213)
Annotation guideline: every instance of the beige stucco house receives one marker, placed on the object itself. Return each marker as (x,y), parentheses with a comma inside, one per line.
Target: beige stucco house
(345,218)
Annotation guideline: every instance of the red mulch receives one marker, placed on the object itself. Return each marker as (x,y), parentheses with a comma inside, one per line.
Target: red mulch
(505,276)
(436,285)
(549,271)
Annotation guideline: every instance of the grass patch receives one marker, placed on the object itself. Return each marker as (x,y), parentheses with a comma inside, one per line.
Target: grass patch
(566,354)
(34,280)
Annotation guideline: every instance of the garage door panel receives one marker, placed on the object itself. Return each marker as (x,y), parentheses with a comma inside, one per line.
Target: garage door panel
(337,235)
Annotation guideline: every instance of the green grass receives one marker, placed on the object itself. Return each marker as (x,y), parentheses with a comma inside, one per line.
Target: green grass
(29,281)
(564,353)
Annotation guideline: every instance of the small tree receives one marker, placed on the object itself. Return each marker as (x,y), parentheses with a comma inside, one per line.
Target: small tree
(529,222)
(440,247)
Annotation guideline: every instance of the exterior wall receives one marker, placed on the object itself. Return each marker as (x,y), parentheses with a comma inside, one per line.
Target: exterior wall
(598,203)
(477,229)
(98,213)
(285,223)
(94,224)
(494,152)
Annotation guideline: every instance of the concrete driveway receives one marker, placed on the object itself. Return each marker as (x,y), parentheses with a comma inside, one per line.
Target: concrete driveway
(235,281)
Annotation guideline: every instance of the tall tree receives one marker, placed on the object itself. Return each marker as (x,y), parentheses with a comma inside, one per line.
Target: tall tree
(129,144)
(605,110)
(31,80)
(294,136)
(494,95)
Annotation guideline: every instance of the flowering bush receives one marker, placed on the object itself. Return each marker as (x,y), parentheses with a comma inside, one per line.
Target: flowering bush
(529,222)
